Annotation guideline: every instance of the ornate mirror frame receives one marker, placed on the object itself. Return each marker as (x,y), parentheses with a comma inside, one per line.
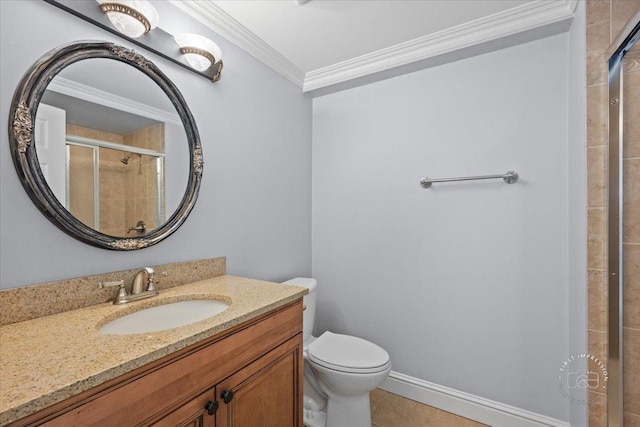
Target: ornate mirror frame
(22,116)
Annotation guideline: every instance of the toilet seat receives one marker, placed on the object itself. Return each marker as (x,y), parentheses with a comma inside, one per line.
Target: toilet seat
(346,353)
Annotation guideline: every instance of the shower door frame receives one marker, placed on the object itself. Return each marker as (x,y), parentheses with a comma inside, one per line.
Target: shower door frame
(627,38)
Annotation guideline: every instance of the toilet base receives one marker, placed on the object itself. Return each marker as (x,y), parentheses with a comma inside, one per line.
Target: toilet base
(313,418)
(352,411)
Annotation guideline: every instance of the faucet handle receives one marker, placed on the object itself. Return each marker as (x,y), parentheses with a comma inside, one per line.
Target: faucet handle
(122,292)
(152,284)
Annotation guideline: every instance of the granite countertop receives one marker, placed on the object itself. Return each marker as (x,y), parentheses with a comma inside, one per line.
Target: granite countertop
(46,360)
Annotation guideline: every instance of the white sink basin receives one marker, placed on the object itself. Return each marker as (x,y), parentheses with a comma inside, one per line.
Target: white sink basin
(164,317)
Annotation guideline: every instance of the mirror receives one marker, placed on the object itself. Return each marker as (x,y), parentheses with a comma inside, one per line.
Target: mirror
(105,145)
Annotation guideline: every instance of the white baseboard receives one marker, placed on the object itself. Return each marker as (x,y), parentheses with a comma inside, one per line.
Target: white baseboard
(466,405)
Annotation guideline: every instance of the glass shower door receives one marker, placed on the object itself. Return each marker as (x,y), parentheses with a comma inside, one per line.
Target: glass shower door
(623,387)
(631,235)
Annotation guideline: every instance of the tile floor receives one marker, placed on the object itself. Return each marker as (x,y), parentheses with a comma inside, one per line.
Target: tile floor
(391,410)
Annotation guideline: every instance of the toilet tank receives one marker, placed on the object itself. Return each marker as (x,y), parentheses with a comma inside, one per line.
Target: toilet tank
(309,302)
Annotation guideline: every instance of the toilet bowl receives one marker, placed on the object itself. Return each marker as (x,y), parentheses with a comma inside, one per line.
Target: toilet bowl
(339,372)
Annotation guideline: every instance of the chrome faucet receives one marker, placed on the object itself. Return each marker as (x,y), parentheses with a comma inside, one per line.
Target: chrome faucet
(138,290)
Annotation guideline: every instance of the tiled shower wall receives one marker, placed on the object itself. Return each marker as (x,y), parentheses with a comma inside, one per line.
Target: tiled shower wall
(605,19)
(141,179)
(128,193)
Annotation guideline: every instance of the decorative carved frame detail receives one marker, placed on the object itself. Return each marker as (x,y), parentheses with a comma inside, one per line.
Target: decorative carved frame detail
(22,115)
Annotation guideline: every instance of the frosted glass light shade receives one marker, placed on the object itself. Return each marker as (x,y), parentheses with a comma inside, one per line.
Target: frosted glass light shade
(132,18)
(200,52)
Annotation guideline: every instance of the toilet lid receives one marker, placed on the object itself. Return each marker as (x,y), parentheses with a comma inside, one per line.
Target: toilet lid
(348,354)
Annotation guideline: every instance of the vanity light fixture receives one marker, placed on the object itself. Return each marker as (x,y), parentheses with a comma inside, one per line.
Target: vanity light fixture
(132,18)
(200,52)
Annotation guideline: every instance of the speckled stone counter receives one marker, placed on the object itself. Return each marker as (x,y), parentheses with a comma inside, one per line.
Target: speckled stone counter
(46,360)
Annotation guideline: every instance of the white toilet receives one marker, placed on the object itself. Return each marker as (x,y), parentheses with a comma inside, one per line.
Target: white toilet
(339,371)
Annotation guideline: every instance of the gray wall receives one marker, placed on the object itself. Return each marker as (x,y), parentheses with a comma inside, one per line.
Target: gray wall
(254,204)
(577,218)
(465,284)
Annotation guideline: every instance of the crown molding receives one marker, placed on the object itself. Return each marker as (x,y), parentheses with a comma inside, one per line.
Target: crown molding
(224,24)
(531,15)
(98,96)
(512,21)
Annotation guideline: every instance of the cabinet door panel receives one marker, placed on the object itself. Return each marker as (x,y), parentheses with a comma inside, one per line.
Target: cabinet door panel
(267,393)
(191,414)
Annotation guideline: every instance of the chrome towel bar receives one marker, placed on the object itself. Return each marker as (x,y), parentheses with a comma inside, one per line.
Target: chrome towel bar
(509,177)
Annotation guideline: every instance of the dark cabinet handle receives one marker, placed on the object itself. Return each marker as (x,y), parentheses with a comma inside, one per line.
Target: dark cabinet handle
(227,396)
(211,407)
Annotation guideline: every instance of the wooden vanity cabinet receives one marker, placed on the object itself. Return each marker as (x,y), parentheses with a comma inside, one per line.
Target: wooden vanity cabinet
(263,394)
(248,376)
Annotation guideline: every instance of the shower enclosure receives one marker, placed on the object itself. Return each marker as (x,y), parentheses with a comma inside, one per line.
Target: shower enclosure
(114,188)
(623,388)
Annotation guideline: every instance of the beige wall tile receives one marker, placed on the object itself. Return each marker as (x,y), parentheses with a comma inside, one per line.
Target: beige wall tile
(72,129)
(632,114)
(596,170)
(109,155)
(621,12)
(141,210)
(631,420)
(140,138)
(109,137)
(141,177)
(597,409)
(631,192)
(597,11)
(597,348)
(82,131)
(598,39)
(597,287)
(396,411)
(128,139)
(631,370)
(111,181)
(129,213)
(596,243)
(93,133)
(152,213)
(597,115)
(152,176)
(81,184)
(631,285)
(597,343)
(129,181)
(597,43)
(155,137)
(631,63)
(112,214)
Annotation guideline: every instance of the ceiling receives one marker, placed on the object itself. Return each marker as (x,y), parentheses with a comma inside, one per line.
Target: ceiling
(317,43)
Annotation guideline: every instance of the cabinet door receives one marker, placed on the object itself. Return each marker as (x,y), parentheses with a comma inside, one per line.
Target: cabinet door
(198,412)
(266,393)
